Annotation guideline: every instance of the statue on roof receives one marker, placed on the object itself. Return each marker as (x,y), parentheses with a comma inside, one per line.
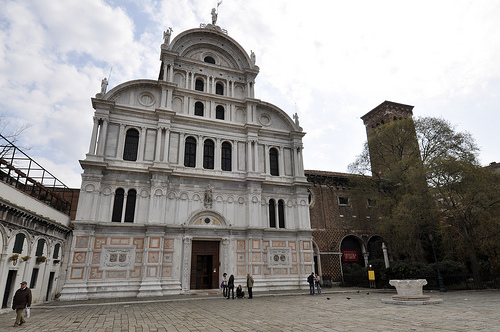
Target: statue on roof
(214,16)
(166,36)
(296,117)
(215,12)
(104,85)
(252,57)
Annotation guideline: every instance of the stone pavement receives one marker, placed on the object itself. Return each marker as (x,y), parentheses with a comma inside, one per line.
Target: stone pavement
(338,309)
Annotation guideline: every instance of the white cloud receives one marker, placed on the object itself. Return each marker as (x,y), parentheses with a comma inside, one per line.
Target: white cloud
(330,61)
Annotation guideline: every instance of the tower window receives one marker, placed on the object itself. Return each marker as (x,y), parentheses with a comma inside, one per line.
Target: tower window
(130,206)
(281,213)
(131,145)
(209,59)
(219,89)
(272,213)
(208,154)
(199,85)
(118,205)
(219,112)
(198,108)
(343,201)
(190,152)
(226,156)
(273,161)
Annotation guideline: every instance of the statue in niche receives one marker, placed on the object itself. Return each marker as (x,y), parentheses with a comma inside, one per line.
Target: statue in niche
(166,36)
(214,16)
(252,57)
(104,85)
(208,197)
(296,117)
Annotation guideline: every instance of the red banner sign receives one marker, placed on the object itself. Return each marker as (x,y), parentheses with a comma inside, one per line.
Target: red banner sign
(350,255)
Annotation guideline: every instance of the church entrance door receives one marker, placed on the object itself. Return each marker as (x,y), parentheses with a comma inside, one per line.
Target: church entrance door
(205,265)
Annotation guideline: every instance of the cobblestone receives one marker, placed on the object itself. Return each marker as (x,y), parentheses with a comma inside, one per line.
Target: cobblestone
(345,310)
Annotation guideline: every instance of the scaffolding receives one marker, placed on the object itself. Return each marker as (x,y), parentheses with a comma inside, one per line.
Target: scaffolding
(18,170)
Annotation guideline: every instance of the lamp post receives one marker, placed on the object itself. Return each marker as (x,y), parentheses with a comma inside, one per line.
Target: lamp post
(440,277)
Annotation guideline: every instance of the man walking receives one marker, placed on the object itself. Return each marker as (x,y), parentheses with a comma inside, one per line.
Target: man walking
(310,280)
(249,285)
(21,300)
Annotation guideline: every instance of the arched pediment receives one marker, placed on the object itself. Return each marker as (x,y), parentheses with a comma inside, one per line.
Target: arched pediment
(196,42)
(207,218)
(272,117)
(137,93)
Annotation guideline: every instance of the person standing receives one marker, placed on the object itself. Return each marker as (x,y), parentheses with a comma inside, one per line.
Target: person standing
(224,284)
(230,286)
(310,280)
(250,286)
(21,300)
(317,281)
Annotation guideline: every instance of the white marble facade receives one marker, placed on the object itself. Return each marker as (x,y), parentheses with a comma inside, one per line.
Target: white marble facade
(208,161)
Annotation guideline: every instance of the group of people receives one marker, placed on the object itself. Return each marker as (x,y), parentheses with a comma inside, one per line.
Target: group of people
(314,282)
(228,287)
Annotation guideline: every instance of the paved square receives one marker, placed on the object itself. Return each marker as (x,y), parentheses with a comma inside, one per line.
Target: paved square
(332,311)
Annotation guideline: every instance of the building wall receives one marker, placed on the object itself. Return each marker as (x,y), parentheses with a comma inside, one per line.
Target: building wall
(333,222)
(180,206)
(22,214)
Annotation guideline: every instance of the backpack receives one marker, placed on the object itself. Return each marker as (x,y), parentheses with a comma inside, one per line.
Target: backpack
(310,279)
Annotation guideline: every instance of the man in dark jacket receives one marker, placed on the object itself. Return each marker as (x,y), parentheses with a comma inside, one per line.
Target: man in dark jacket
(310,280)
(21,300)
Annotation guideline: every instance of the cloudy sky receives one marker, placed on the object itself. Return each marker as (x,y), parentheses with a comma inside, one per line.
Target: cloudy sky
(330,61)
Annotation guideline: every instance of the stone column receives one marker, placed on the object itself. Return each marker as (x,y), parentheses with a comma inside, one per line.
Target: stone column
(267,163)
(186,263)
(281,162)
(218,154)
(199,152)
(386,257)
(142,146)
(182,148)
(121,141)
(159,132)
(93,138)
(167,145)
(102,137)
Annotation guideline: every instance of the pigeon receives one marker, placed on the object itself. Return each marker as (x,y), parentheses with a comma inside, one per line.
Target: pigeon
(348,298)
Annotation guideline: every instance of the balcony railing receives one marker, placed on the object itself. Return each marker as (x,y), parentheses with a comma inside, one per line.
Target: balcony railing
(20,171)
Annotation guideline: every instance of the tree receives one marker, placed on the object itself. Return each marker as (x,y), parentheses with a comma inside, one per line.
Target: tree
(469,200)
(413,166)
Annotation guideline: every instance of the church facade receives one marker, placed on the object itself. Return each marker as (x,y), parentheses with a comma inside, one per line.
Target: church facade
(188,177)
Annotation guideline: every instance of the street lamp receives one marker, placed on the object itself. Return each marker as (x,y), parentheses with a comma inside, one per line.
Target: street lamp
(440,278)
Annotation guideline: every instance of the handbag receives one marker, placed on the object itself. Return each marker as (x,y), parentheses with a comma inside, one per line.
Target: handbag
(27,312)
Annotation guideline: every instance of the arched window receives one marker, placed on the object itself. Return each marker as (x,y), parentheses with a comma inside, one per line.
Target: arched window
(131,145)
(56,251)
(226,161)
(209,59)
(273,162)
(19,243)
(219,112)
(272,213)
(190,152)
(198,108)
(281,213)
(130,206)
(219,89)
(118,205)
(39,247)
(208,154)
(199,85)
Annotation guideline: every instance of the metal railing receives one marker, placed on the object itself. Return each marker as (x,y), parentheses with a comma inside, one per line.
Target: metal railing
(23,173)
